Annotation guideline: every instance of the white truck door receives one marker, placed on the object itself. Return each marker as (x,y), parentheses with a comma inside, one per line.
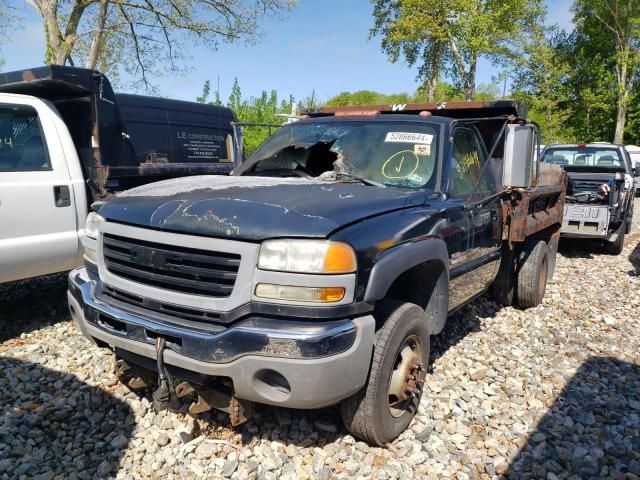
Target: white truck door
(38,222)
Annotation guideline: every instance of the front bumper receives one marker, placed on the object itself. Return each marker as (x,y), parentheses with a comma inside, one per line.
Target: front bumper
(321,362)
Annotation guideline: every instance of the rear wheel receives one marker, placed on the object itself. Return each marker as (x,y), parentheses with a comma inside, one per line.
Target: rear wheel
(533,274)
(616,247)
(384,407)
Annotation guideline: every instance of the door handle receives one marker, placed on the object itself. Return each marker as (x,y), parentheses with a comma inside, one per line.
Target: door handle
(61,195)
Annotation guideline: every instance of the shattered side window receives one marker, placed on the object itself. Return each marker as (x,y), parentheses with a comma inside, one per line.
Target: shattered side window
(401,154)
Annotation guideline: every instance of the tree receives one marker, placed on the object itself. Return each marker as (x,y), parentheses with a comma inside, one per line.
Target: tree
(450,36)
(422,40)
(540,76)
(144,36)
(621,21)
(9,19)
(368,97)
(261,109)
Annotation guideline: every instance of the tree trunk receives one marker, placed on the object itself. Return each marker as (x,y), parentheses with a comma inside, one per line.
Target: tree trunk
(58,50)
(621,118)
(96,41)
(470,80)
(623,99)
(549,122)
(434,78)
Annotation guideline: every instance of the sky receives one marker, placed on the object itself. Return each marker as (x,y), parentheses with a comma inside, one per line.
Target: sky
(322,46)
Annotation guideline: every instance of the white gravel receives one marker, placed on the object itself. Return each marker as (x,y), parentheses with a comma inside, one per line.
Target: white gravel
(552,392)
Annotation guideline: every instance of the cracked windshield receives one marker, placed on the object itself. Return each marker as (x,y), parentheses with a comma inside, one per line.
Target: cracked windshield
(377,153)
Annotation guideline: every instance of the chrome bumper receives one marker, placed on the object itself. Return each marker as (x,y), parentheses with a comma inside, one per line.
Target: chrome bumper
(323,362)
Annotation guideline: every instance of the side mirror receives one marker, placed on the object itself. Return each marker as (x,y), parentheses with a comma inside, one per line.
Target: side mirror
(519,149)
(637,170)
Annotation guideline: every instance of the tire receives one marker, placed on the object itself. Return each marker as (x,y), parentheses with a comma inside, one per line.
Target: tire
(616,247)
(533,274)
(504,286)
(368,414)
(552,253)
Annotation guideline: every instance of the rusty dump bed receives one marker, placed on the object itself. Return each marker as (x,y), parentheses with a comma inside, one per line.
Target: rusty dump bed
(537,211)
(496,108)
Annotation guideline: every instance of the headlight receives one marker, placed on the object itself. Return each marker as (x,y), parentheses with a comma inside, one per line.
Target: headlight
(307,256)
(91,225)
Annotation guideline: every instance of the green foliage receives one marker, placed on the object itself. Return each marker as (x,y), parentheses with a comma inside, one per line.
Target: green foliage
(576,83)
(450,36)
(367,97)
(486,92)
(261,109)
(611,30)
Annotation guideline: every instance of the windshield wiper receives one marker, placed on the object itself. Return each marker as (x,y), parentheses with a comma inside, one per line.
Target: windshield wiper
(364,181)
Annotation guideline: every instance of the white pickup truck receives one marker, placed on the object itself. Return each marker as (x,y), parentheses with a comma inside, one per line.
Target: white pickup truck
(67,140)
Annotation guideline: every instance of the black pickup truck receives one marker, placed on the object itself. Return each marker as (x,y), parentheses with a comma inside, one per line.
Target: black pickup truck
(318,272)
(600,191)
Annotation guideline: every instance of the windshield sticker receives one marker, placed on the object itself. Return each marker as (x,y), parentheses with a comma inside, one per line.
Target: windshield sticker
(401,165)
(421,149)
(409,137)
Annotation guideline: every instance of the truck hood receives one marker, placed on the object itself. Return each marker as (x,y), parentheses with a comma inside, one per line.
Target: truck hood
(254,208)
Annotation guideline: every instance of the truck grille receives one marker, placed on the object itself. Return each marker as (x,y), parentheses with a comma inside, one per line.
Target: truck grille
(181,269)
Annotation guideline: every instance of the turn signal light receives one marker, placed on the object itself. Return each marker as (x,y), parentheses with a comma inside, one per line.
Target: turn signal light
(300,294)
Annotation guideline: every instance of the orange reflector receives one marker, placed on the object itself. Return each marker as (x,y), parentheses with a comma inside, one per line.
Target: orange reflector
(331,294)
(340,258)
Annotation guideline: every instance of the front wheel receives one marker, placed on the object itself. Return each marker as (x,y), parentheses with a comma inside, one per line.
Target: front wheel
(384,407)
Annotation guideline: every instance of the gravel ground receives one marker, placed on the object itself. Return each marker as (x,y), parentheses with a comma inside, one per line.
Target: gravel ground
(553,392)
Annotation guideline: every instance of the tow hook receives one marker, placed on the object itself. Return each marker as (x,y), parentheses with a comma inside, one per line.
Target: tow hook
(162,395)
(222,398)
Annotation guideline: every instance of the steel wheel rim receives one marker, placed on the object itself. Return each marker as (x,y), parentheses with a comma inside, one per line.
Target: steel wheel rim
(407,377)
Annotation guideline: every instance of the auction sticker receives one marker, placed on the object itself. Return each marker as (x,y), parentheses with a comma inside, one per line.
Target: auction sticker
(409,137)
(421,149)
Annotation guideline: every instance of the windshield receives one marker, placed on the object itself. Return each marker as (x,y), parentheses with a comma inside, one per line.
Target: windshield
(585,158)
(399,154)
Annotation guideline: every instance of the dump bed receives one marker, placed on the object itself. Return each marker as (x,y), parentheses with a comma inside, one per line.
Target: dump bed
(127,140)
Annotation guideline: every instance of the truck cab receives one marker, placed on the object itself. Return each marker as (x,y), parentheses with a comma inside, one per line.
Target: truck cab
(67,140)
(319,271)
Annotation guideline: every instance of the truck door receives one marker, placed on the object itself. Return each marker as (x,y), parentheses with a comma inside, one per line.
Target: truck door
(38,224)
(474,186)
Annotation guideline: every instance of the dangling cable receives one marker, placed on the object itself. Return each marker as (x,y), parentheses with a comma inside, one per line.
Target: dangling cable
(162,395)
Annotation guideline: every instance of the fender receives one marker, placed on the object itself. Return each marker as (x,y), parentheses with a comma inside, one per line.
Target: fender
(395,261)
